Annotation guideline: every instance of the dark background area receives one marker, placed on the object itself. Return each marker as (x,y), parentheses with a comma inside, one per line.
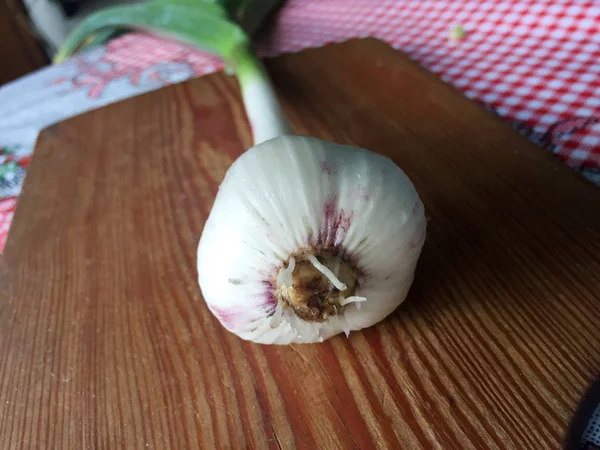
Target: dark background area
(20,51)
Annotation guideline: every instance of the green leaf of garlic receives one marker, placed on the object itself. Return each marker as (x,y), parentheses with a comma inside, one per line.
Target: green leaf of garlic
(215,26)
(204,26)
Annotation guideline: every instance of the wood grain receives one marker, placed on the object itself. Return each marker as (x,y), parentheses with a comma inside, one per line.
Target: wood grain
(107,343)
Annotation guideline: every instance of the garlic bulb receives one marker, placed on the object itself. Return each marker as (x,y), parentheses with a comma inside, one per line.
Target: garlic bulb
(307,239)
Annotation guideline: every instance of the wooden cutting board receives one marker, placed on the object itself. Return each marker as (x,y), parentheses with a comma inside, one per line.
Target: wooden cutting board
(106,342)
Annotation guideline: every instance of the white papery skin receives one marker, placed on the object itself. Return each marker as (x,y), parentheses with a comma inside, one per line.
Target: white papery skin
(287,194)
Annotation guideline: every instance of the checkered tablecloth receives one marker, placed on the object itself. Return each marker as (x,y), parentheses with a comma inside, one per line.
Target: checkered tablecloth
(536,63)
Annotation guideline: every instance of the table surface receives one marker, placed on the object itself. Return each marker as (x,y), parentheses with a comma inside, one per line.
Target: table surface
(107,343)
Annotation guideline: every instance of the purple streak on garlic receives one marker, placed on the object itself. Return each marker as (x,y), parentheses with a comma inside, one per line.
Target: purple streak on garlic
(308,239)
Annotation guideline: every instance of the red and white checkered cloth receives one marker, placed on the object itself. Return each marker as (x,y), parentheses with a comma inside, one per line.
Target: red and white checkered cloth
(536,63)
(7,209)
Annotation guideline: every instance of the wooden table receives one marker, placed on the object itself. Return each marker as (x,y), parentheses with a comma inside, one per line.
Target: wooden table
(106,342)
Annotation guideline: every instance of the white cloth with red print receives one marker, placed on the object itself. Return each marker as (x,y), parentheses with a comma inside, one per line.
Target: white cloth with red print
(536,63)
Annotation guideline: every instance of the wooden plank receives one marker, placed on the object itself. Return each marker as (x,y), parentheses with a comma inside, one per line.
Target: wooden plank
(107,343)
